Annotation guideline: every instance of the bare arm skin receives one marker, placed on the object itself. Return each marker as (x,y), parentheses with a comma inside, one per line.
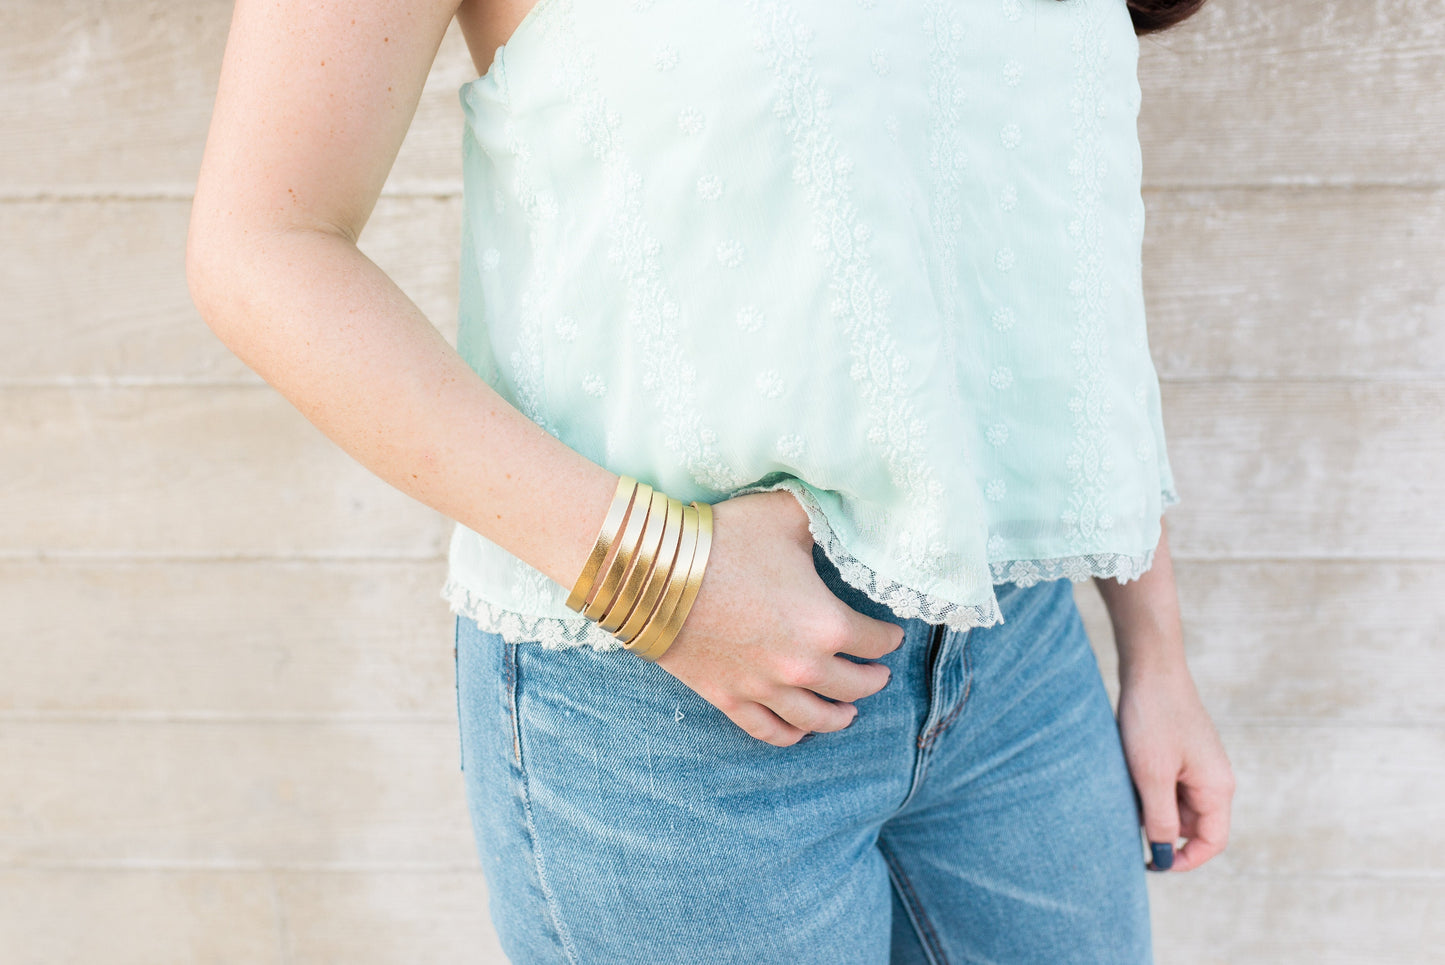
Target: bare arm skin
(1175,756)
(313,103)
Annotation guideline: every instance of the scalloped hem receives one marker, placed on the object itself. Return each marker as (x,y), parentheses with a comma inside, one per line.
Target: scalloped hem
(561,633)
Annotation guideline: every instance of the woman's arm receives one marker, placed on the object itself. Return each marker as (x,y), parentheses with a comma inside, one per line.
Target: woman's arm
(313,103)
(1145,614)
(312,106)
(1176,759)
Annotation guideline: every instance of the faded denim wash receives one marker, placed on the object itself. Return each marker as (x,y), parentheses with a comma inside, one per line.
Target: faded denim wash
(979,808)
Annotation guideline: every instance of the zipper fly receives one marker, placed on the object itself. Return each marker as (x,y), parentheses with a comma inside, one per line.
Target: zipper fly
(935,644)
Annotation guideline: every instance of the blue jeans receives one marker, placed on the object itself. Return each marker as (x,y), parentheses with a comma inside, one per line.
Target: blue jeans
(978,809)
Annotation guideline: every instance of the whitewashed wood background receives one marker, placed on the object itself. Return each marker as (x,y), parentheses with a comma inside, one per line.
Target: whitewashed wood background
(227,722)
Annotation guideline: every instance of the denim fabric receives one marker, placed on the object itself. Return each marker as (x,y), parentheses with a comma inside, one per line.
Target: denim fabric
(979,808)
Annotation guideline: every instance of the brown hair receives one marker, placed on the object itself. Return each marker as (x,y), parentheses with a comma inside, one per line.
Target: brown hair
(1152,15)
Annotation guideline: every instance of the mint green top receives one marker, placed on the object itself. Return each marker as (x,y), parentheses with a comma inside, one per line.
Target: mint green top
(884,254)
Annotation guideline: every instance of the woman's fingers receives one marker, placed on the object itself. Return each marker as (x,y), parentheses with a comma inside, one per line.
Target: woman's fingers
(867,637)
(807,711)
(1160,807)
(761,723)
(842,679)
(1204,816)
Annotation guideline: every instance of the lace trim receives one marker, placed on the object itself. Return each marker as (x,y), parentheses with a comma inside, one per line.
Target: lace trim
(559,633)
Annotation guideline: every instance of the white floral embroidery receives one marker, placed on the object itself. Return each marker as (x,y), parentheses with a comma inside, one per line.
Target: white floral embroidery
(654,315)
(860,302)
(791,446)
(1001,377)
(879,62)
(527,360)
(709,187)
(730,253)
(1004,259)
(690,120)
(770,384)
(1088,463)
(750,318)
(594,385)
(1010,136)
(669,380)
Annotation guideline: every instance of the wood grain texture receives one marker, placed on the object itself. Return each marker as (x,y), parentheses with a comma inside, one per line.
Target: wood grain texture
(233,794)
(1240,284)
(1323,641)
(227,716)
(120,93)
(1324,470)
(217,471)
(220,639)
(184,917)
(97,291)
(368,796)
(122,917)
(1209,918)
(1296,92)
(1270,469)
(1300,283)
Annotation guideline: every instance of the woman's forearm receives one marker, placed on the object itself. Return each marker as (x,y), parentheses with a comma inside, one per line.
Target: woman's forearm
(325,326)
(1148,631)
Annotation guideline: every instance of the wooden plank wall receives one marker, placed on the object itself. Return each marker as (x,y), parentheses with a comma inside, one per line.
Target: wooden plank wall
(227,723)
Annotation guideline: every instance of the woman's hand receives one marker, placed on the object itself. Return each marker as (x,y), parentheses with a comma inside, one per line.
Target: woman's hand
(1175,757)
(1177,763)
(764,638)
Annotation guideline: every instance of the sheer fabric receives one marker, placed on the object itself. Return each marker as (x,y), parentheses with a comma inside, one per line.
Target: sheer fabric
(884,255)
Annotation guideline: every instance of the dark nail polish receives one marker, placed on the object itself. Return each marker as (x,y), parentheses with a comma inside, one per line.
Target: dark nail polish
(1163,855)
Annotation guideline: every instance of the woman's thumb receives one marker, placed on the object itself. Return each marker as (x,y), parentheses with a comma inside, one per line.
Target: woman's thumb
(1159,805)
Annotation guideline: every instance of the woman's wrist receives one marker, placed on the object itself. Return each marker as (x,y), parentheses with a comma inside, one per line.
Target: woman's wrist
(1148,630)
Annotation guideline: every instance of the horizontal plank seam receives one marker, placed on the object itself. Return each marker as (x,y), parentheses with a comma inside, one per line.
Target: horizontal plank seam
(103,383)
(47,718)
(451,190)
(92,558)
(444,868)
(42,716)
(260,867)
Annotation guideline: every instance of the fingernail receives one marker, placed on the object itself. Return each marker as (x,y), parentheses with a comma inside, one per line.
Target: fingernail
(1162,853)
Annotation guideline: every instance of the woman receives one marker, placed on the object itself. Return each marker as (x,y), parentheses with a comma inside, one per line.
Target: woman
(858,283)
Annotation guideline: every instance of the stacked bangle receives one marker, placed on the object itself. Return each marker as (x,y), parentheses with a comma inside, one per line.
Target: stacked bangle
(645,595)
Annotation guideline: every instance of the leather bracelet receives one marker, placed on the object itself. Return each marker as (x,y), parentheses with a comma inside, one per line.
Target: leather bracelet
(626,547)
(645,594)
(671,623)
(626,486)
(648,545)
(657,579)
(676,581)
